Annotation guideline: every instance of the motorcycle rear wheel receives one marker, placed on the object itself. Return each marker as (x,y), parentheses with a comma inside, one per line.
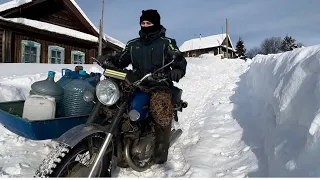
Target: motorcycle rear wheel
(63,158)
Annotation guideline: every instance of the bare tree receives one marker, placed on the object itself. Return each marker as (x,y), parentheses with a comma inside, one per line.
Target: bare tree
(271,45)
(253,52)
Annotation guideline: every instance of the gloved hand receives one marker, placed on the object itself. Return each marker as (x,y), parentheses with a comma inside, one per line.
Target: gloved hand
(175,75)
(107,61)
(108,65)
(101,59)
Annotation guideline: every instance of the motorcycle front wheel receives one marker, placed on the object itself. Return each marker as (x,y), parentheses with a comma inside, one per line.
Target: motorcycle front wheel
(64,161)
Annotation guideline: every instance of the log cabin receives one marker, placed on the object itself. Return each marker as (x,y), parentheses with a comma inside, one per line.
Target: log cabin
(49,31)
(215,44)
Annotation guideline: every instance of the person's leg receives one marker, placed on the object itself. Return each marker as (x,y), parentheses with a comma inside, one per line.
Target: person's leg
(162,113)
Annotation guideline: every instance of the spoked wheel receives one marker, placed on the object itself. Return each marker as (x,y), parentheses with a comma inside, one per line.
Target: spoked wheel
(77,162)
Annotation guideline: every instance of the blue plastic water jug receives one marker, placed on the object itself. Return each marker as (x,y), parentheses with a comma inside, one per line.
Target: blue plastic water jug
(94,79)
(48,87)
(66,77)
(73,102)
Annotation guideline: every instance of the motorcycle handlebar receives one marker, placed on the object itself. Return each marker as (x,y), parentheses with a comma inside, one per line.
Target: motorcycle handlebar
(152,77)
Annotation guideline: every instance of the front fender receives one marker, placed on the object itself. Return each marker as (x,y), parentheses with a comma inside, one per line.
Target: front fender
(76,134)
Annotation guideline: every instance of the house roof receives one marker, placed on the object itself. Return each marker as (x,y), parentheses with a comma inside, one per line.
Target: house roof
(17,3)
(52,28)
(12,4)
(204,42)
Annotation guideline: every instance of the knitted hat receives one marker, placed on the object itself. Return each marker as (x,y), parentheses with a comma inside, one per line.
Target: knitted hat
(151,15)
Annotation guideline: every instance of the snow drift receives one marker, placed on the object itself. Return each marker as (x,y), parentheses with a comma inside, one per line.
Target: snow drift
(277,105)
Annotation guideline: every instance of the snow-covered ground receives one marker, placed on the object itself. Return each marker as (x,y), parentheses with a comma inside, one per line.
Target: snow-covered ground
(244,119)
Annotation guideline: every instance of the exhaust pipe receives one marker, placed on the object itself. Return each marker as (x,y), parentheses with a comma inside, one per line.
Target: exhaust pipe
(174,136)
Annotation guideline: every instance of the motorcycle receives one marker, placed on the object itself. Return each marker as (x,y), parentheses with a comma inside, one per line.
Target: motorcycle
(124,138)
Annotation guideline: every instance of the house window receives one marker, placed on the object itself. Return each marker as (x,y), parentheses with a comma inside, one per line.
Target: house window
(56,55)
(30,52)
(77,57)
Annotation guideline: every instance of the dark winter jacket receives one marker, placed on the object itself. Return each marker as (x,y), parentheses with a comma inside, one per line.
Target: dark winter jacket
(149,52)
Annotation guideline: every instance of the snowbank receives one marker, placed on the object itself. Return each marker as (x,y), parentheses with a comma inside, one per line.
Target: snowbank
(277,105)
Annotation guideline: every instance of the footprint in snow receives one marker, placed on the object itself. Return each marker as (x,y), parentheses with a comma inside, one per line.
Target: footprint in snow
(240,169)
(186,141)
(220,175)
(13,170)
(215,135)
(246,149)
(24,165)
(31,143)
(195,139)
(7,156)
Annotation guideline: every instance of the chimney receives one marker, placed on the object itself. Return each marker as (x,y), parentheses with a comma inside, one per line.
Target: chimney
(200,42)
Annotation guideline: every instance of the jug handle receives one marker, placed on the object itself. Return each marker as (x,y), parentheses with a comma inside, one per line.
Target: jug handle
(63,71)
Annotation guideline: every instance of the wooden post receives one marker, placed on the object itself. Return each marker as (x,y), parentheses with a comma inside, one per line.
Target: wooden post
(227,42)
(101,30)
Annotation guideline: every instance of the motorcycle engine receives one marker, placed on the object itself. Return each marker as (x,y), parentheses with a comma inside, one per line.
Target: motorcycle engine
(144,149)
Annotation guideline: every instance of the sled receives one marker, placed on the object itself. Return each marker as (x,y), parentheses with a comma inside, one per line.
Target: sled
(11,119)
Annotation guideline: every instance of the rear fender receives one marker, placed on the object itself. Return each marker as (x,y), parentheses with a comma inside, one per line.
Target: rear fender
(76,134)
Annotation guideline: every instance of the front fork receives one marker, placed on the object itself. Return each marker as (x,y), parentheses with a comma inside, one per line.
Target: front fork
(111,131)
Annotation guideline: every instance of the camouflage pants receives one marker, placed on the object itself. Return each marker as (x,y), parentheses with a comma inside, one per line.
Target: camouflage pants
(161,107)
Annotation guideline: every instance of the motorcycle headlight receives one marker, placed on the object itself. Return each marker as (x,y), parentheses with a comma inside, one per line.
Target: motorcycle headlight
(107,92)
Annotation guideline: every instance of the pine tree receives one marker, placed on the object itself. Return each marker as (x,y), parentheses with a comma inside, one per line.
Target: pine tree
(288,44)
(240,49)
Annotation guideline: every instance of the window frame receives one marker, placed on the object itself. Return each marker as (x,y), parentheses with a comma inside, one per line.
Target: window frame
(56,48)
(30,43)
(79,53)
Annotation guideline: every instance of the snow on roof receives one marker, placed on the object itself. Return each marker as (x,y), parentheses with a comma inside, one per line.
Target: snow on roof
(13,4)
(114,41)
(52,28)
(203,42)
(17,3)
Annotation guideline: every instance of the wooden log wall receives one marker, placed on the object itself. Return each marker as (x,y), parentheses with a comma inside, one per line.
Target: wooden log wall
(44,50)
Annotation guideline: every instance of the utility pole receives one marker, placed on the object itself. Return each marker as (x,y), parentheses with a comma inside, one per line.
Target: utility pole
(101,30)
(227,42)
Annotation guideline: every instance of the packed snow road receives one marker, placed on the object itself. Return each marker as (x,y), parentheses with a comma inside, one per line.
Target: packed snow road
(210,146)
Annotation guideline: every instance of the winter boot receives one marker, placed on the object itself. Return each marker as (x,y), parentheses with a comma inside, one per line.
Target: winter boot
(162,143)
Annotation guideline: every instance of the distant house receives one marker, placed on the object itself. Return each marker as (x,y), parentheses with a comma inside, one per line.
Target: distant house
(215,44)
(49,31)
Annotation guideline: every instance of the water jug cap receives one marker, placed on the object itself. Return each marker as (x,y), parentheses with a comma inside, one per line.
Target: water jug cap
(51,73)
(78,68)
(82,72)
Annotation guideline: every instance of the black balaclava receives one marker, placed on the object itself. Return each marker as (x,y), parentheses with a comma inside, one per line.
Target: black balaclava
(152,16)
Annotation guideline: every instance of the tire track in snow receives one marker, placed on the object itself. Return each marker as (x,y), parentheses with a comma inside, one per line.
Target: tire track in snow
(213,144)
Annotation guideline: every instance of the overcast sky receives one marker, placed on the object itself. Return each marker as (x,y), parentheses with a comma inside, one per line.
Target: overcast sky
(253,20)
